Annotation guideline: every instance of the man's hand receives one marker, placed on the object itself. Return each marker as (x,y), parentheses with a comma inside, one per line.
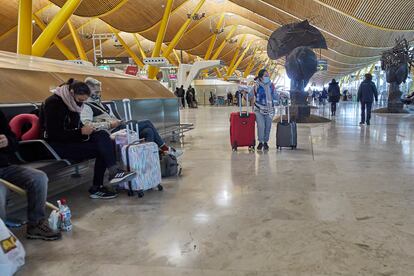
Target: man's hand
(87,130)
(115,124)
(4,142)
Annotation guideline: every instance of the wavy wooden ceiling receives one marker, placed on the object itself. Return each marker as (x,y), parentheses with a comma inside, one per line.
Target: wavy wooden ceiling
(357,31)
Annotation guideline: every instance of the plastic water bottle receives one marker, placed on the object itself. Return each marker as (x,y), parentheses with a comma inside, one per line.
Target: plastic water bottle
(54,220)
(65,215)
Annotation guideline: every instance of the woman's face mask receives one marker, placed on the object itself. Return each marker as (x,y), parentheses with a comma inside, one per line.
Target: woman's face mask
(266,79)
(80,99)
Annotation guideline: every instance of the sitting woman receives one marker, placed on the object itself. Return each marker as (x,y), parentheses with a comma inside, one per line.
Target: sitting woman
(73,140)
(99,116)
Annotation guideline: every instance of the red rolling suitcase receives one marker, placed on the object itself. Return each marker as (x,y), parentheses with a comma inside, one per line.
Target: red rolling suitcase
(242,128)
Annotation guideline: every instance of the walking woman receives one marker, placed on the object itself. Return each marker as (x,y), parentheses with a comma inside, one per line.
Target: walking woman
(334,95)
(265,96)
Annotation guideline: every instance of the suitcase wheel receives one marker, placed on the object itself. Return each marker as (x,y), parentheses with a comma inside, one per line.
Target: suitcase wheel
(160,187)
(140,193)
(251,148)
(234,148)
(130,193)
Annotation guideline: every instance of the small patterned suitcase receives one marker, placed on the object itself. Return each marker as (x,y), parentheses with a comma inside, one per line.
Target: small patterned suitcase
(141,157)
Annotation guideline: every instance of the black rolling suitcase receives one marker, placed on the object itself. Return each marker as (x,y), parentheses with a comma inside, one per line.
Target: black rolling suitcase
(286,132)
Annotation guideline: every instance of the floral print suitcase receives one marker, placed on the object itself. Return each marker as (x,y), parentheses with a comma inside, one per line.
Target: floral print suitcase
(140,157)
(143,158)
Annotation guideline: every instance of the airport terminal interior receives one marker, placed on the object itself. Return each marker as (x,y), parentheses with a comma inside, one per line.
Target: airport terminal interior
(207,137)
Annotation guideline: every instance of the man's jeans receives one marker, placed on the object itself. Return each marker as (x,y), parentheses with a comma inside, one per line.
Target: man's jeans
(368,107)
(149,132)
(264,125)
(34,182)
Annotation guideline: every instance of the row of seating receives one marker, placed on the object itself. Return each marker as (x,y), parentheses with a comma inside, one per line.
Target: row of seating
(37,153)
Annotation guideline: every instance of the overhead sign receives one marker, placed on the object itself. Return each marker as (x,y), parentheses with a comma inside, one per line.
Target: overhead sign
(156,61)
(172,74)
(112,60)
(131,70)
(322,65)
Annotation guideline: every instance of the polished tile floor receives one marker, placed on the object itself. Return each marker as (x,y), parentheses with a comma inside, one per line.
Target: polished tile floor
(342,204)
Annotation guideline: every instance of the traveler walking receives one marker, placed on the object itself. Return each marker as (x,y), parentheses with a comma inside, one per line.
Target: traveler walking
(264,93)
(334,95)
(367,92)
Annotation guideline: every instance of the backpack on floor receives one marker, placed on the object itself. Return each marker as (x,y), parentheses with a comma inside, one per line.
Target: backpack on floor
(12,253)
(169,165)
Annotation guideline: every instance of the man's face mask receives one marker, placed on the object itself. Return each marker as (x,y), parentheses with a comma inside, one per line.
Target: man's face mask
(96,96)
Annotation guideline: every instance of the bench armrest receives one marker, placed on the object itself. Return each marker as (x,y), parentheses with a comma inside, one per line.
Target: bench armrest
(32,147)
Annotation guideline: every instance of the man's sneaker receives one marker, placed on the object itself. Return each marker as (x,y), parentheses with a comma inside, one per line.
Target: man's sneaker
(260,146)
(41,231)
(265,146)
(361,123)
(368,123)
(120,176)
(175,152)
(102,193)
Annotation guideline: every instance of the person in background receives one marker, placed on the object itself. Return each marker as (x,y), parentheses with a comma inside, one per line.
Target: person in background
(71,139)
(334,95)
(229,98)
(265,96)
(98,116)
(345,95)
(315,95)
(189,97)
(237,96)
(309,98)
(211,99)
(35,183)
(193,97)
(181,94)
(367,92)
(323,96)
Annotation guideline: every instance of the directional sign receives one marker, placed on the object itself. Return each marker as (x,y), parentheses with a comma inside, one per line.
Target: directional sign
(322,65)
(112,60)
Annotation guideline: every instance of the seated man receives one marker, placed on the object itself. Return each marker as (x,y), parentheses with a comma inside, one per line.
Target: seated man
(98,115)
(33,181)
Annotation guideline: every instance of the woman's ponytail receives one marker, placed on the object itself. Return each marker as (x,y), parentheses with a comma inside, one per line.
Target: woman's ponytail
(260,74)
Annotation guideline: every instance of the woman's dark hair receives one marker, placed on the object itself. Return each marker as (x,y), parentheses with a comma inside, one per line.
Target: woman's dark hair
(368,76)
(78,87)
(261,74)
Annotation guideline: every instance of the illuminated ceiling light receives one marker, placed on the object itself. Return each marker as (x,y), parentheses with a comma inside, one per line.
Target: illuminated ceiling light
(232,40)
(117,44)
(196,16)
